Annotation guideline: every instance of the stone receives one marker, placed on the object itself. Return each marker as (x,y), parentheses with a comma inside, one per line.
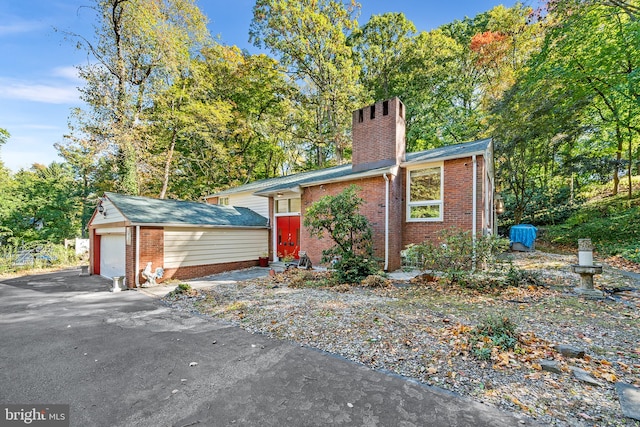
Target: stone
(582,375)
(585,245)
(570,351)
(629,397)
(550,366)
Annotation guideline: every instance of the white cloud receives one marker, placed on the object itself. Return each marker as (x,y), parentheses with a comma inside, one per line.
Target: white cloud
(20,27)
(50,94)
(69,72)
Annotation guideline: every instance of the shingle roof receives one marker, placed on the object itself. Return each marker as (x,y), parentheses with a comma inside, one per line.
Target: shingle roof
(449,151)
(266,186)
(145,210)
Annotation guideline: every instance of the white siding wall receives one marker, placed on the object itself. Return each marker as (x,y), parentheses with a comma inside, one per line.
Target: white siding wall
(113,214)
(185,247)
(248,200)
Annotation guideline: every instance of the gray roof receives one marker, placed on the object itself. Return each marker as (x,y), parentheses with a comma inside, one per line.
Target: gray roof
(145,210)
(266,186)
(449,151)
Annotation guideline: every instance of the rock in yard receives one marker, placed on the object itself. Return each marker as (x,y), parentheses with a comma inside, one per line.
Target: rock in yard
(584,376)
(570,351)
(629,397)
(550,366)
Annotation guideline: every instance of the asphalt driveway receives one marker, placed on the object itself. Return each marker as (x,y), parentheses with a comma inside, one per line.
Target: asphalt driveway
(124,359)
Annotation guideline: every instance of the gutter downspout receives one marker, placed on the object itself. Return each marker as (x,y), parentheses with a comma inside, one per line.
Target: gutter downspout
(474,220)
(386,222)
(136,275)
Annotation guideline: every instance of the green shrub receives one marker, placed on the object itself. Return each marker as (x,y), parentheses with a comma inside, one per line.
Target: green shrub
(494,331)
(632,254)
(184,287)
(339,217)
(455,253)
(352,269)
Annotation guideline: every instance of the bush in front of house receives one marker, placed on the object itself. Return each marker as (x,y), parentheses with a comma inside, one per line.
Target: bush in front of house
(339,217)
(456,255)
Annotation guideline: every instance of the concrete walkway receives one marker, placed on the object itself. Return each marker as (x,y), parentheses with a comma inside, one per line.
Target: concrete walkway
(125,359)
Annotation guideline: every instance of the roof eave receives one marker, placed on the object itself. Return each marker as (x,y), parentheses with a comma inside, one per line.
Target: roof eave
(168,224)
(443,158)
(270,192)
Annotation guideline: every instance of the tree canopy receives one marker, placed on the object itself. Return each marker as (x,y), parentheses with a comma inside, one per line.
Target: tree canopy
(169,112)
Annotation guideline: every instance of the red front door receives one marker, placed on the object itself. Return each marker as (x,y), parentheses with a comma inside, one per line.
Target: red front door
(288,236)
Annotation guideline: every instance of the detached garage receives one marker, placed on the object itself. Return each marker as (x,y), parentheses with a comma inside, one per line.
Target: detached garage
(185,239)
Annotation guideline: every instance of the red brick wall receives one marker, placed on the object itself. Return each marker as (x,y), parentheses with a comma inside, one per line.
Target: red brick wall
(372,190)
(151,250)
(458,202)
(205,270)
(130,256)
(379,141)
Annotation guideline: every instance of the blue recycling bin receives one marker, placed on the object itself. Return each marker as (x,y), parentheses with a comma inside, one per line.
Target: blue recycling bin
(523,237)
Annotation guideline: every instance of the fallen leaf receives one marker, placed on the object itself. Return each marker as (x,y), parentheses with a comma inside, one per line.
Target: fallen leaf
(520,404)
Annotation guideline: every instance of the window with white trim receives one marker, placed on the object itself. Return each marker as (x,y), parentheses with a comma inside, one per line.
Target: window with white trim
(424,193)
(224,201)
(288,206)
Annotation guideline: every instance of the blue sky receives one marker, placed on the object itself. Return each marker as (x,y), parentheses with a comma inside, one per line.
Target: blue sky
(37,65)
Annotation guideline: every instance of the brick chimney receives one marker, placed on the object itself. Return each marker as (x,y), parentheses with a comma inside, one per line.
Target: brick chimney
(378,135)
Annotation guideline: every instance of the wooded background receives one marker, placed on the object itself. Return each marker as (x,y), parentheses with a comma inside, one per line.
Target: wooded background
(170,113)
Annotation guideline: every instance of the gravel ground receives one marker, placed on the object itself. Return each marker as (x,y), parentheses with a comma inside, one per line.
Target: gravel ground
(423,330)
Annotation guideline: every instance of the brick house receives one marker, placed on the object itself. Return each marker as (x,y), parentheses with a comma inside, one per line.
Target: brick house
(186,239)
(409,197)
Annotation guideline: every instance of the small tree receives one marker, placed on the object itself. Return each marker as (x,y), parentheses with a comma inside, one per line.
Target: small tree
(351,232)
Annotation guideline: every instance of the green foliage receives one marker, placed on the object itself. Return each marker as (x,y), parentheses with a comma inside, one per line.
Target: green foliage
(140,48)
(44,204)
(4,136)
(455,254)
(353,268)
(632,253)
(310,39)
(34,255)
(183,287)
(610,222)
(494,331)
(339,217)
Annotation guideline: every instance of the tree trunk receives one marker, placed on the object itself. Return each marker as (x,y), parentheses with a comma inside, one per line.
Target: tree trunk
(167,165)
(616,178)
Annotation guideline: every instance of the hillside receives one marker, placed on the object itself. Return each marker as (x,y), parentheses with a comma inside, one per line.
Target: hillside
(611,222)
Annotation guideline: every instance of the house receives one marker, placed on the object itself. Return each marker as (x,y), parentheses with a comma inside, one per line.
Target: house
(185,239)
(409,197)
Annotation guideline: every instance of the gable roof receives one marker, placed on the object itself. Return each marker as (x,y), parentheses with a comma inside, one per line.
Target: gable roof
(145,210)
(269,186)
(455,151)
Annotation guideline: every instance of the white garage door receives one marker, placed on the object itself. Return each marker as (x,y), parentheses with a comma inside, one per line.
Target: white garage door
(112,255)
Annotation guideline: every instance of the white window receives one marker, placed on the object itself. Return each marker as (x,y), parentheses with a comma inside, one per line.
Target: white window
(223,201)
(288,206)
(424,193)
